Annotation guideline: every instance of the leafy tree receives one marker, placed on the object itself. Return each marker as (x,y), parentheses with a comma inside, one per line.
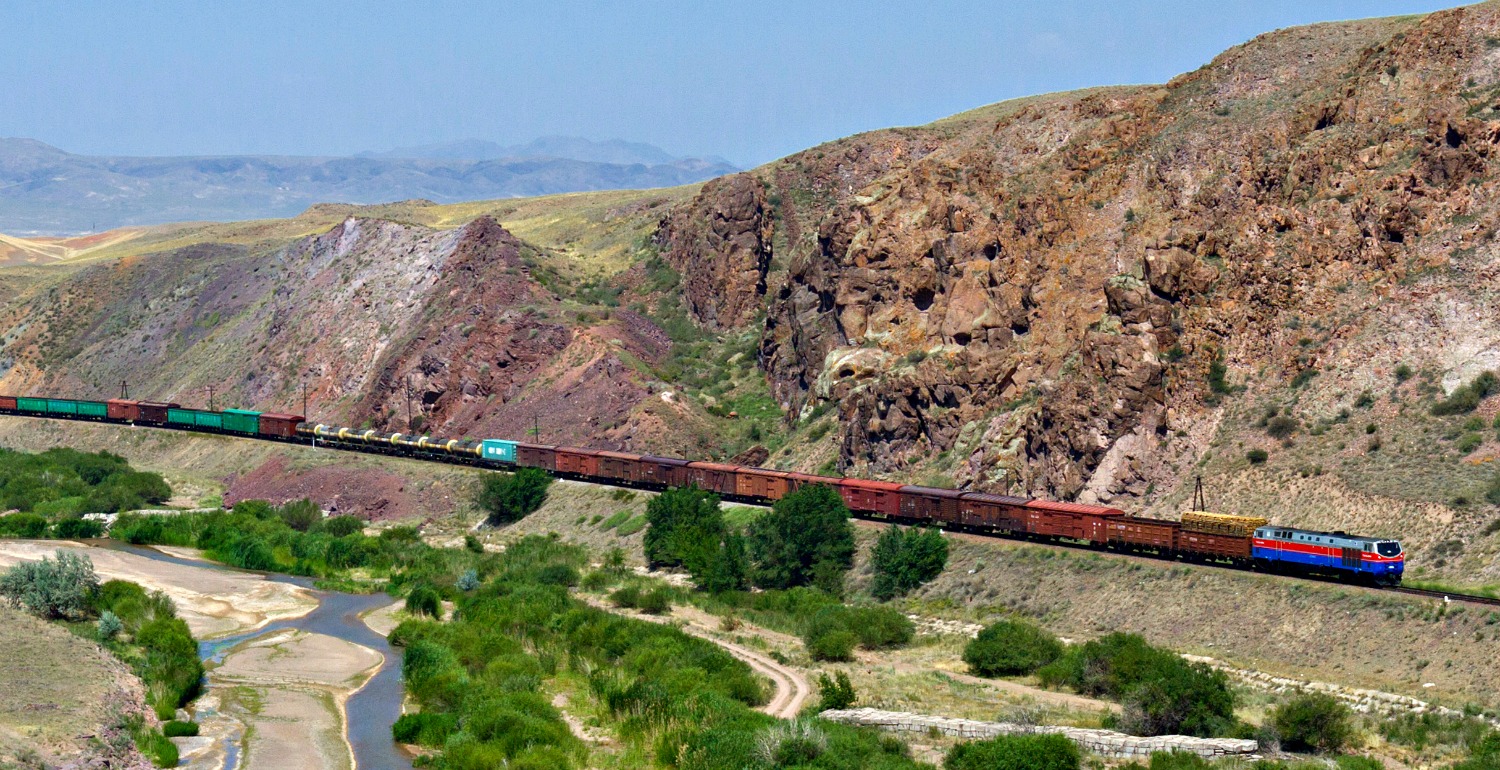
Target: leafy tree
(1015,752)
(63,587)
(729,570)
(835,693)
(905,558)
(686,529)
(1011,648)
(1313,722)
(510,498)
(806,539)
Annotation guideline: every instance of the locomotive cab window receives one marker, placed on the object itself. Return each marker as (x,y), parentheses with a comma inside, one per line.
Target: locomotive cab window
(1388,549)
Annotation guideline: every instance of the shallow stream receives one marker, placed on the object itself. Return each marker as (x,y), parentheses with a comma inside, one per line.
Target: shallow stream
(372,710)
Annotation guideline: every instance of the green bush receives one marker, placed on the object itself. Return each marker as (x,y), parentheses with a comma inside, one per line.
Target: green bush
(77,529)
(1257,456)
(1162,693)
(1469,442)
(1466,398)
(833,645)
(425,600)
(342,526)
(109,626)
(510,498)
(29,525)
(628,597)
(1313,722)
(1015,752)
(55,587)
(873,628)
(836,693)
(423,729)
(1011,648)
(806,540)
(302,515)
(905,558)
(176,729)
(657,601)
(686,527)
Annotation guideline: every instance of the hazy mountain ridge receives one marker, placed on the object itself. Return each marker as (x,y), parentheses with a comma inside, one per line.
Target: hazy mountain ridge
(45,190)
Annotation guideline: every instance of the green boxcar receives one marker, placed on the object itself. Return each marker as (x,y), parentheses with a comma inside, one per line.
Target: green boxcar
(93,409)
(61,406)
(31,404)
(195,418)
(242,421)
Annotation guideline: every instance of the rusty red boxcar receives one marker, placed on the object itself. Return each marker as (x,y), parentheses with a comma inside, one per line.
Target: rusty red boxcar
(155,411)
(1154,534)
(934,504)
(572,459)
(536,456)
(715,477)
(762,482)
(1001,513)
(122,409)
(882,497)
(620,465)
(279,425)
(664,471)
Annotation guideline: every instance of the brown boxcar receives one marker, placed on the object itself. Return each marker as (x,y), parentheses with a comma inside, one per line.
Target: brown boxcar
(982,510)
(279,425)
(1070,520)
(882,497)
(572,459)
(8,403)
(933,504)
(1209,545)
(620,465)
(1142,533)
(762,482)
(536,456)
(715,477)
(664,471)
(122,409)
(155,411)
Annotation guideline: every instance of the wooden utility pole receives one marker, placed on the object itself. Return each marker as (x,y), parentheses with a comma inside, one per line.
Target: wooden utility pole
(1199,504)
(124,390)
(211,398)
(408,402)
(304,399)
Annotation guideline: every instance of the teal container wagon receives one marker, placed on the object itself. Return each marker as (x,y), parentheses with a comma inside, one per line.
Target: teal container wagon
(195,418)
(241,421)
(497,450)
(38,405)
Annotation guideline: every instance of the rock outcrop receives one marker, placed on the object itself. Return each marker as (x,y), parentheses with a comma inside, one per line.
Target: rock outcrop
(721,243)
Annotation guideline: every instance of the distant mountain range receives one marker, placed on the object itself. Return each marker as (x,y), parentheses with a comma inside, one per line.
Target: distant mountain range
(47,191)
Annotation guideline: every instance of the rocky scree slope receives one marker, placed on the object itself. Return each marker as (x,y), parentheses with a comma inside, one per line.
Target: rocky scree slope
(1034,297)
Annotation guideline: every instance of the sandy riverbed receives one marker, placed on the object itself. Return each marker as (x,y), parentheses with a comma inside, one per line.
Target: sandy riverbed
(213,602)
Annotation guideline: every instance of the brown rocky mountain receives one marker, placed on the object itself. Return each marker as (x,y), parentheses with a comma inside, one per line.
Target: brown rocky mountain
(1094,295)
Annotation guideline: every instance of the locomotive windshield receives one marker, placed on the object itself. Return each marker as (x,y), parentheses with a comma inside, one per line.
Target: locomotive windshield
(1388,548)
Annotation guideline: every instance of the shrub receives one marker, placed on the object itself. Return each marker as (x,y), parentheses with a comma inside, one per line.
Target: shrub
(628,597)
(806,539)
(1466,398)
(1313,722)
(1257,456)
(510,498)
(28,525)
(1474,424)
(425,600)
(657,601)
(834,645)
(1365,400)
(473,544)
(343,526)
(873,628)
(77,529)
(905,558)
(1469,442)
(469,580)
(424,729)
(109,626)
(60,587)
(1403,373)
(1015,752)
(836,693)
(1281,426)
(301,515)
(1011,648)
(178,729)
(1218,377)
(1161,692)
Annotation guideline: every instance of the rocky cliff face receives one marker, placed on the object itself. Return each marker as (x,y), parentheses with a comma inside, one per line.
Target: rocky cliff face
(1036,291)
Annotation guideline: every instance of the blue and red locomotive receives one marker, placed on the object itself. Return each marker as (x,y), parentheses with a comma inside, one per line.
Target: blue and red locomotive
(1330,553)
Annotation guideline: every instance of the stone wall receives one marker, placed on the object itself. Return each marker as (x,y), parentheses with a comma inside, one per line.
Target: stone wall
(1102,742)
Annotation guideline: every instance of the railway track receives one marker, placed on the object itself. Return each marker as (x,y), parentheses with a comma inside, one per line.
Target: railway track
(454,460)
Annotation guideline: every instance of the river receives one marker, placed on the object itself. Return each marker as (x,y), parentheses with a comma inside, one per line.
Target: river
(369,712)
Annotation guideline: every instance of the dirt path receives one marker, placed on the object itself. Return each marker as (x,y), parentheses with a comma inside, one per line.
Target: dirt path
(791,686)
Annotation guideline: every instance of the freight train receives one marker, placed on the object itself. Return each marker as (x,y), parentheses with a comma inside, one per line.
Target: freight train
(1246,542)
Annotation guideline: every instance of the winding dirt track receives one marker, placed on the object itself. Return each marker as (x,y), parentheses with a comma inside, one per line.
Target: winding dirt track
(792,687)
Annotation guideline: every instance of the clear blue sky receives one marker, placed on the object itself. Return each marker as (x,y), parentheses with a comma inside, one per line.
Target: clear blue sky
(750,81)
